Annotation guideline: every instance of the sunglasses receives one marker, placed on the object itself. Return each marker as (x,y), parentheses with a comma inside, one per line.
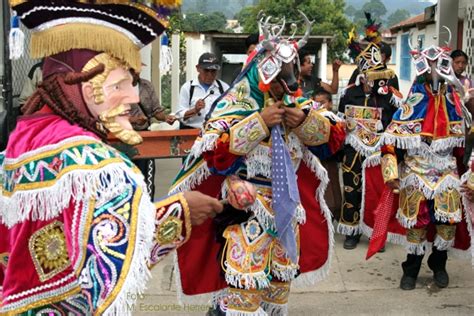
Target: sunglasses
(210,70)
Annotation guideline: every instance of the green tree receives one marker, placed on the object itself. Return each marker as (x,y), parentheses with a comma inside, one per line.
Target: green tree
(198,22)
(328,16)
(350,11)
(376,7)
(397,16)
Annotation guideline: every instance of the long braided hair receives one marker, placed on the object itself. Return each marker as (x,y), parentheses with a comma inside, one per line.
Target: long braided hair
(58,91)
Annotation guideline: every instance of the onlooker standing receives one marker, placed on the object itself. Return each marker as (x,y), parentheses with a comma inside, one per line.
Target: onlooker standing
(459,66)
(324,98)
(251,42)
(311,85)
(140,116)
(197,96)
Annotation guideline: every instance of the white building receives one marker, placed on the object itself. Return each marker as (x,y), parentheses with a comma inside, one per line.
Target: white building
(427,29)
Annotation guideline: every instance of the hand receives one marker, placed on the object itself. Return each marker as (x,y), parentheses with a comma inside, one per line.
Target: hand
(138,119)
(201,206)
(467,192)
(200,104)
(394,185)
(468,91)
(170,119)
(294,117)
(336,64)
(273,115)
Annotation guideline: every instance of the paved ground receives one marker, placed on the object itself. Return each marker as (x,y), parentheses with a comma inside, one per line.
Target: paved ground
(354,286)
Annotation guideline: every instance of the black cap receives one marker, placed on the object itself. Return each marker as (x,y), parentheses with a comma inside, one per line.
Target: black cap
(209,61)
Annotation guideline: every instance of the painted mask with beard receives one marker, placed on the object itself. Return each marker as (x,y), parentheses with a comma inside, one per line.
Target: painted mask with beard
(108,96)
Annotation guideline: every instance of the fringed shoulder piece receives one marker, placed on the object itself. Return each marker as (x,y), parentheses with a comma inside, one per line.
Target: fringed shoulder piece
(40,184)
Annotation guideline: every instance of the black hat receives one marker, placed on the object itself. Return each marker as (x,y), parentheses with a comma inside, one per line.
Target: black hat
(209,61)
(117,27)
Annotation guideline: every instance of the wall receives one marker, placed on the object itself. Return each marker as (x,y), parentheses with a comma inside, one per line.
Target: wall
(429,31)
(468,36)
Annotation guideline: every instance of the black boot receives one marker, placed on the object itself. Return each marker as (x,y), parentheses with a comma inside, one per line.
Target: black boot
(411,268)
(437,263)
(351,241)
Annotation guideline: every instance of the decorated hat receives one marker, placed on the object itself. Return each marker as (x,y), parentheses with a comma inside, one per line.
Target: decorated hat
(367,57)
(119,28)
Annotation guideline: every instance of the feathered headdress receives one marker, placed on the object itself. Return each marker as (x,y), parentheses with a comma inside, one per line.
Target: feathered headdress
(369,58)
(372,33)
(120,28)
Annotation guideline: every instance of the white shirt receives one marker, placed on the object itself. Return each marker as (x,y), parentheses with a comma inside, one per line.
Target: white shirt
(196,121)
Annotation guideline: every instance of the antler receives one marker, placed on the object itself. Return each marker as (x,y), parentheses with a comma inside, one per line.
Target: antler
(302,42)
(448,43)
(263,26)
(265,30)
(279,28)
(413,50)
(452,79)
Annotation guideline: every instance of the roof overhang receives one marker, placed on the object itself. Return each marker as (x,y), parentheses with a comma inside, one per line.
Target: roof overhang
(234,43)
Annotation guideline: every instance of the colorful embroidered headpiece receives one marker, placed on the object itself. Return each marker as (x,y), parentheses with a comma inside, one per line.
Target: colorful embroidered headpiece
(370,58)
(279,49)
(119,28)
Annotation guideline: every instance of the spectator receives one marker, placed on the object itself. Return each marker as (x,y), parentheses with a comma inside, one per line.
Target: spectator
(324,98)
(459,66)
(197,96)
(311,85)
(251,42)
(140,116)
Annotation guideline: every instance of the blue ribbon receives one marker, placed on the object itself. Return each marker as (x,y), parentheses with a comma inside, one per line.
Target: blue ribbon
(286,197)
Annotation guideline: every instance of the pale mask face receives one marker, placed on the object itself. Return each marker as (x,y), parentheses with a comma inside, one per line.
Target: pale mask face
(113,112)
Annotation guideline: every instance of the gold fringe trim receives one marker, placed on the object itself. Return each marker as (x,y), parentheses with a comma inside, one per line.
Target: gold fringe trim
(380,74)
(85,36)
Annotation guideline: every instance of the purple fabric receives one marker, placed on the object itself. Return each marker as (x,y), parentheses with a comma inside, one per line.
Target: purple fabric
(72,60)
(285,193)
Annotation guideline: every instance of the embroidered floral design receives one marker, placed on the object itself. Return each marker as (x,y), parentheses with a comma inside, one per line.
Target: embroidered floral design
(48,250)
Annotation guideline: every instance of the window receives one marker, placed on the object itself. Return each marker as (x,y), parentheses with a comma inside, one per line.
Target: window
(405,59)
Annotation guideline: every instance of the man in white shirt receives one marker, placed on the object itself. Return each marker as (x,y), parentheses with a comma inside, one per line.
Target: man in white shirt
(197,96)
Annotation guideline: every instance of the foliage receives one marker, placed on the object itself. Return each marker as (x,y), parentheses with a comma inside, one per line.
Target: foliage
(198,22)
(376,7)
(350,11)
(328,16)
(397,16)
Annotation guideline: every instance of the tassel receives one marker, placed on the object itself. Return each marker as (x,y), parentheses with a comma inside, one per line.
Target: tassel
(264,87)
(16,38)
(166,58)
(379,74)
(298,93)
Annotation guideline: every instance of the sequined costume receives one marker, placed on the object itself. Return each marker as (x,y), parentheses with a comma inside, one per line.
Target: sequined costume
(421,152)
(248,270)
(78,231)
(368,104)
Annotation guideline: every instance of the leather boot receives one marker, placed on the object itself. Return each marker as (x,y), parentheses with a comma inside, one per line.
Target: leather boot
(411,268)
(437,263)
(351,241)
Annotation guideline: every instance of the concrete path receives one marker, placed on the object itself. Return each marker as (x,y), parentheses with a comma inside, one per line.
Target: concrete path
(354,286)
